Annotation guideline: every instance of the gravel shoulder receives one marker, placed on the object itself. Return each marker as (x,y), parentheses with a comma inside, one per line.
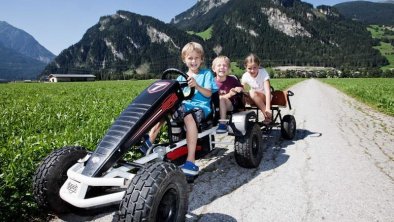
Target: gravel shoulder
(340,167)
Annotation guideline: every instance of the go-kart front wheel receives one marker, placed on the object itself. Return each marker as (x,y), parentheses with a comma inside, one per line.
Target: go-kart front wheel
(249,149)
(157,193)
(51,175)
(288,127)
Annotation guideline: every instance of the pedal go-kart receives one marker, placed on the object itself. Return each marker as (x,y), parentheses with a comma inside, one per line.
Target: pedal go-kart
(152,188)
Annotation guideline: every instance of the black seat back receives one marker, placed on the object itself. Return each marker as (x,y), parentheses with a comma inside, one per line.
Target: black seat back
(215,108)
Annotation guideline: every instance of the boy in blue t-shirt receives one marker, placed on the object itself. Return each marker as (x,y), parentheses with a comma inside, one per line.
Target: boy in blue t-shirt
(194,110)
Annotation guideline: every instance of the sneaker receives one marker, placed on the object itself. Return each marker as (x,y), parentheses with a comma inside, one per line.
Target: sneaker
(146,144)
(222,128)
(190,169)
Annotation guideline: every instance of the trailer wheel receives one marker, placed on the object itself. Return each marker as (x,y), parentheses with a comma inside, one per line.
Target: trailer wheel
(249,149)
(157,193)
(288,127)
(51,175)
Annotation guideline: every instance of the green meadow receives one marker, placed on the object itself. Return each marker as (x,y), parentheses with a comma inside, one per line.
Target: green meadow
(375,92)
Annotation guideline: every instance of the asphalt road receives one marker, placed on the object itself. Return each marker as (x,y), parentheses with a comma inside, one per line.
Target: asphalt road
(339,167)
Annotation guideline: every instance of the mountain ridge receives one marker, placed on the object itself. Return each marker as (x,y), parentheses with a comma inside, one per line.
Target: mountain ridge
(274,26)
(15,66)
(120,42)
(21,56)
(371,13)
(23,43)
(282,32)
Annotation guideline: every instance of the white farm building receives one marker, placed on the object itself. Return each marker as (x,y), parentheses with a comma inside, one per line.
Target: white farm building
(71,77)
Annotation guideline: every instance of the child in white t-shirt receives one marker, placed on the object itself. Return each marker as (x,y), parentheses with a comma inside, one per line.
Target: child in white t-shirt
(258,80)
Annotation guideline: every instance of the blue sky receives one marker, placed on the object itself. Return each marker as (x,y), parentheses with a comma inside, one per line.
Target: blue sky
(57,24)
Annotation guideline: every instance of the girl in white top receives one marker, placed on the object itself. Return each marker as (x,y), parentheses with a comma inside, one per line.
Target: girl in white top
(258,80)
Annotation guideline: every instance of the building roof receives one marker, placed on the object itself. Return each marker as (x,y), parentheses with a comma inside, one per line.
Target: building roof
(72,76)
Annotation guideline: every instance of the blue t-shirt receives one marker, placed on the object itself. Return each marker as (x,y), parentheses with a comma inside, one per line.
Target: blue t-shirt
(205,79)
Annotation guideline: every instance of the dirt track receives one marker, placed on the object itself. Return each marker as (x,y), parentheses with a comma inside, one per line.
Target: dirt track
(340,167)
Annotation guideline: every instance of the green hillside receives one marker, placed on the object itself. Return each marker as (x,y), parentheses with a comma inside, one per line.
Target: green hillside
(385,36)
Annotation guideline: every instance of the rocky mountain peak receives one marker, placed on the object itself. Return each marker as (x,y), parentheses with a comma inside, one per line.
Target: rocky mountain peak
(328,10)
(201,8)
(279,21)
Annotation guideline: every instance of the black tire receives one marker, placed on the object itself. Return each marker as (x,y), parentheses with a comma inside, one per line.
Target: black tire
(157,193)
(288,127)
(249,149)
(51,175)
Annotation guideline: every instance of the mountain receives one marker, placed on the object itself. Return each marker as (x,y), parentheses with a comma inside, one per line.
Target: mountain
(368,12)
(388,1)
(203,11)
(15,66)
(21,56)
(23,43)
(281,32)
(123,44)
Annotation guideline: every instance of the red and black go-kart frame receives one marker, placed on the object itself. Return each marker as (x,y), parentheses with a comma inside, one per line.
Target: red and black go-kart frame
(152,188)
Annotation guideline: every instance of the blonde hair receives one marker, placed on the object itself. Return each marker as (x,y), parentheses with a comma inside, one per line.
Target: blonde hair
(192,46)
(252,58)
(217,59)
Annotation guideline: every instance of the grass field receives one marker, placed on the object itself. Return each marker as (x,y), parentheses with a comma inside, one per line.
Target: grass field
(377,93)
(37,118)
(282,84)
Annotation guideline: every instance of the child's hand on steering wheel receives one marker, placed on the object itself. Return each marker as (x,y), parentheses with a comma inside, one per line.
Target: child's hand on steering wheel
(191,82)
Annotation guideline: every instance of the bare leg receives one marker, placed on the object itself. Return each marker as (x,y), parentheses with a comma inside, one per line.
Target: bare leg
(225,105)
(259,101)
(191,137)
(155,130)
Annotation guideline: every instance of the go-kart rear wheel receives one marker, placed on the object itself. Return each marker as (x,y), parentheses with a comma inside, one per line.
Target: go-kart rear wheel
(288,127)
(249,149)
(157,193)
(51,175)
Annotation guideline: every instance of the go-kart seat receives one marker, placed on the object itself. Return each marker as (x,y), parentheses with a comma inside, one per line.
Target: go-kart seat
(280,99)
(213,118)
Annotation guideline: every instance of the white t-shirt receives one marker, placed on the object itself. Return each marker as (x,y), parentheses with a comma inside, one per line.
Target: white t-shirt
(256,84)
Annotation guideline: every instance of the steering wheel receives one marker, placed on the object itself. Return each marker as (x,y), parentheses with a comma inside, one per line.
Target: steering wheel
(183,84)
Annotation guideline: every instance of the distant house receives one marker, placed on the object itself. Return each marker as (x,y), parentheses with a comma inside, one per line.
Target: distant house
(71,77)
